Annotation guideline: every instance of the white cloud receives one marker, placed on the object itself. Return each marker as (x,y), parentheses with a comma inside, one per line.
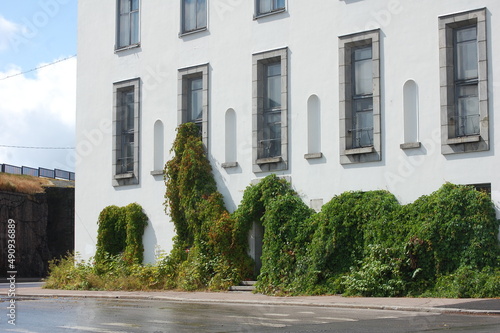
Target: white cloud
(8,30)
(38,111)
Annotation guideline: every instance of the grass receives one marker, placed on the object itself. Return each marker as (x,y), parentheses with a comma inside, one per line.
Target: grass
(23,183)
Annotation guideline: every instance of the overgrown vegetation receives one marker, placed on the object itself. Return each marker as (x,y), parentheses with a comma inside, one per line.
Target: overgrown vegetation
(365,243)
(205,253)
(120,234)
(23,183)
(362,243)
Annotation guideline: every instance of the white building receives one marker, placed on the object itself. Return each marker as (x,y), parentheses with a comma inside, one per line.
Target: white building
(336,95)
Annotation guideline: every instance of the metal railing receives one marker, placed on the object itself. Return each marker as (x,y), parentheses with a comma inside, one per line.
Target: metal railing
(40,172)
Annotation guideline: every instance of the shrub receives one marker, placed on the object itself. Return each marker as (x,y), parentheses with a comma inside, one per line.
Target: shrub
(120,233)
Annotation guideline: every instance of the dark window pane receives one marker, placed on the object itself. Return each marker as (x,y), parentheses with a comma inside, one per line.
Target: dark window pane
(195,103)
(201,14)
(272,98)
(134,29)
(468,110)
(265,6)
(126,155)
(363,71)
(279,4)
(124,6)
(363,123)
(466,53)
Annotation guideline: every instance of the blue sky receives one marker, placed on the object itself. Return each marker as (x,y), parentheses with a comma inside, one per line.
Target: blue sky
(38,108)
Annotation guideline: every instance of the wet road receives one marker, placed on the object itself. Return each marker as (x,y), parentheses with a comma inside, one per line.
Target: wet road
(111,316)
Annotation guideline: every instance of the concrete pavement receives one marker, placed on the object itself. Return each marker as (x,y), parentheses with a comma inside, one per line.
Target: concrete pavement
(433,305)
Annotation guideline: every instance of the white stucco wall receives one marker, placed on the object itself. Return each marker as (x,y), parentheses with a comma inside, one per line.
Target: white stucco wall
(310,30)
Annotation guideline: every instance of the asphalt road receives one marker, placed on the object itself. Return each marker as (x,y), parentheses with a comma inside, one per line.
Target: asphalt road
(70,315)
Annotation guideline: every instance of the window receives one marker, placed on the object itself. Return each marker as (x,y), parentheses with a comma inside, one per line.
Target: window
(270,102)
(193,107)
(270,142)
(464,82)
(194,15)
(195,101)
(360,98)
(126,133)
(128,23)
(264,7)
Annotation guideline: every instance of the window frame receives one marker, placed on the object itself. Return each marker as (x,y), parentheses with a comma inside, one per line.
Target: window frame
(127,177)
(260,63)
(350,152)
(452,141)
(185,76)
(118,46)
(183,30)
(273,11)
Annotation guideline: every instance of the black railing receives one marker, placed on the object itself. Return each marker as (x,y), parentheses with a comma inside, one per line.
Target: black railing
(40,172)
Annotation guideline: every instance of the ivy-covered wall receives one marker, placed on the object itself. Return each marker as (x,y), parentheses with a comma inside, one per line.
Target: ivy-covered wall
(361,243)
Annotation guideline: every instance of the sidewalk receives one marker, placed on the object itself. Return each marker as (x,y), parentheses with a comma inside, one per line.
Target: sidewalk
(434,305)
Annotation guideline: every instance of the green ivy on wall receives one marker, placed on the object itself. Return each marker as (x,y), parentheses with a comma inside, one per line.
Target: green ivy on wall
(361,243)
(120,233)
(204,254)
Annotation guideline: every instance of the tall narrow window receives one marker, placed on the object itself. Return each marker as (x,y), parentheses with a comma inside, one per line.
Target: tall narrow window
(271,129)
(194,15)
(127,129)
(128,23)
(269,6)
(362,97)
(193,97)
(195,101)
(270,102)
(360,112)
(464,82)
(126,133)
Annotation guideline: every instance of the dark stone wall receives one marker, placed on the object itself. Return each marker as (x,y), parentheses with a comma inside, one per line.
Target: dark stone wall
(60,220)
(44,229)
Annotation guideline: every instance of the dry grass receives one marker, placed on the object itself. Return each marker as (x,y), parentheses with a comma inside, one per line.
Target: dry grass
(23,183)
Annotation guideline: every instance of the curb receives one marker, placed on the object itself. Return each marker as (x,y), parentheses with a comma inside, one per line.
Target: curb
(460,311)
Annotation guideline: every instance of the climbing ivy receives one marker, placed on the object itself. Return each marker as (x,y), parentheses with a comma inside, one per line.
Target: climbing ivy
(120,232)
(204,254)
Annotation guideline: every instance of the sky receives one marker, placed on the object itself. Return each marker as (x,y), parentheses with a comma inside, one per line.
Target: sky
(37,107)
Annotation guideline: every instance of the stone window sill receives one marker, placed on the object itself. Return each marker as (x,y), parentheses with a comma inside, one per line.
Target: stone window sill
(127,175)
(464,139)
(157,173)
(269,160)
(358,151)
(228,165)
(312,156)
(410,145)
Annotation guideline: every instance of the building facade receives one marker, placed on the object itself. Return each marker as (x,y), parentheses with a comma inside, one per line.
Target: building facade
(333,95)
